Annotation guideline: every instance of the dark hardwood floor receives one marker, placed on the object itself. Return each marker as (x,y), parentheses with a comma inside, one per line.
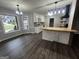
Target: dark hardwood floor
(33,47)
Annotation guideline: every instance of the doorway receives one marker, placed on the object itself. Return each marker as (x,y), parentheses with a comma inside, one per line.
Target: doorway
(51,22)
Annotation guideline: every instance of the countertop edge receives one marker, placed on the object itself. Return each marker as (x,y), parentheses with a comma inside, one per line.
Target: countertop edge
(59,30)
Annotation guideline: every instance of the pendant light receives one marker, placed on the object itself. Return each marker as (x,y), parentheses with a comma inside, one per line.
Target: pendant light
(55,12)
(18,12)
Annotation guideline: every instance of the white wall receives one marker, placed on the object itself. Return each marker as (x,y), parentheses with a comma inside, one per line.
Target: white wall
(56,20)
(46,21)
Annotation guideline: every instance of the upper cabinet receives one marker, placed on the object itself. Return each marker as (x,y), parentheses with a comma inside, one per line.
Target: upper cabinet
(42,19)
(38,18)
(35,18)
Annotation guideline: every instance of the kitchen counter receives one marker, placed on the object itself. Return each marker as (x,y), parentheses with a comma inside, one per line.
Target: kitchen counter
(58,29)
(60,35)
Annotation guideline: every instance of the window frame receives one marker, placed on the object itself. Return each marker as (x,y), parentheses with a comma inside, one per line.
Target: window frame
(24,19)
(16,23)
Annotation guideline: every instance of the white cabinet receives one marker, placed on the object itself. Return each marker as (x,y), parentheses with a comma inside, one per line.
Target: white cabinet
(38,18)
(42,18)
(50,36)
(38,29)
(35,18)
(38,25)
(61,37)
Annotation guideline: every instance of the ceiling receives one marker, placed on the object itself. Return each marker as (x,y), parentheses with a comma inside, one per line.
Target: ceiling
(40,6)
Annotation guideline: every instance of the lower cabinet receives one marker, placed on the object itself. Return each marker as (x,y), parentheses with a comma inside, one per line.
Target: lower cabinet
(61,37)
(38,29)
(50,36)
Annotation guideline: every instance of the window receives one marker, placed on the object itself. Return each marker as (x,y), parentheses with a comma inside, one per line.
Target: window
(25,21)
(9,22)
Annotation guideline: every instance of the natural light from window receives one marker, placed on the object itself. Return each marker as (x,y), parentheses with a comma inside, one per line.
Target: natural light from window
(10,23)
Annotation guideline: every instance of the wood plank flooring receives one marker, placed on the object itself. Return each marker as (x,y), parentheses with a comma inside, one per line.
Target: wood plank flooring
(33,47)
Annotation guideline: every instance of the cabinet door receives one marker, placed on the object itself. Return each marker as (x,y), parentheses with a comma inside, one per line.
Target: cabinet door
(63,37)
(42,19)
(35,18)
(50,36)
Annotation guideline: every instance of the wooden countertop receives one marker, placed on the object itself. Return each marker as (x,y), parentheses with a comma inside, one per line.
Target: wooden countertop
(58,29)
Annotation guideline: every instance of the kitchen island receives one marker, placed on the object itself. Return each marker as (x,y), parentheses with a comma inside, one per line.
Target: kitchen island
(60,35)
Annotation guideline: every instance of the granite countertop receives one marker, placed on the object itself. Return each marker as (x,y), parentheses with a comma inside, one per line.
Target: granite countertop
(59,29)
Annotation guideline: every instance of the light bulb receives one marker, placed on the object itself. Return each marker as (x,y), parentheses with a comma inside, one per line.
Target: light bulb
(50,13)
(21,13)
(55,12)
(59,11)
(17,12)
(63,11)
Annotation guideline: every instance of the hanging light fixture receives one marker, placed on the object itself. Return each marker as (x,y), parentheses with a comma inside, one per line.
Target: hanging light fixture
(18,12)
(55,12)
(50,12)
(59,11)
(63,10)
